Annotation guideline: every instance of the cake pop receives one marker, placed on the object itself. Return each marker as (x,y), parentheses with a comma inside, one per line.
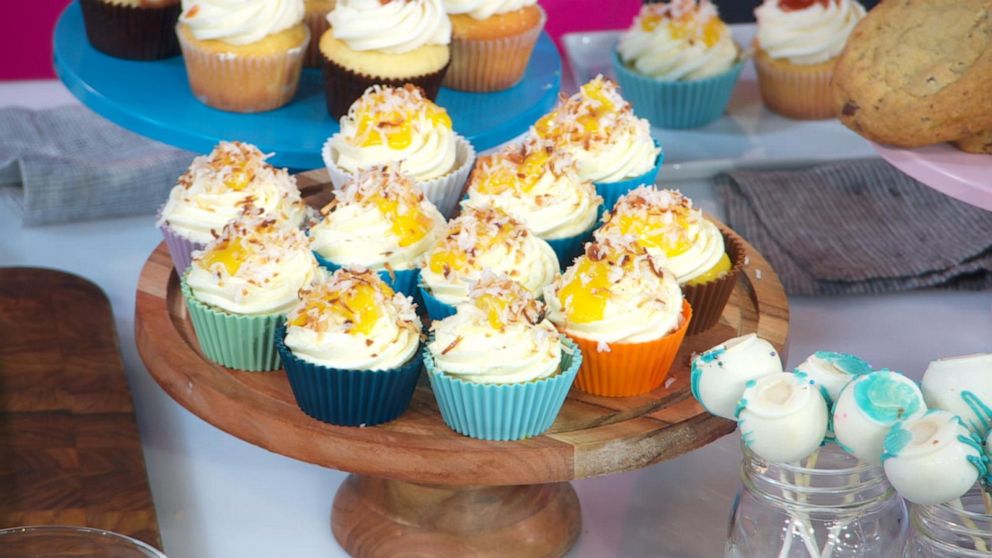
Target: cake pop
(832,371)
(782,417)
(963,386)
(868,407)
(719,374)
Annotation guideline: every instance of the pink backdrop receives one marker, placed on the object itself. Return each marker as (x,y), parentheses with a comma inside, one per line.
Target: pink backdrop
(26,34)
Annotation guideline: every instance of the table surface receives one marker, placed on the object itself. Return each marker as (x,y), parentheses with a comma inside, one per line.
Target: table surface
(219,497)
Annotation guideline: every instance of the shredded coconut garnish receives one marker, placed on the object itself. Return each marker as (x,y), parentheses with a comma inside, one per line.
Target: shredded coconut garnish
(596,113)
(389,115)
(478,229)
(252,247)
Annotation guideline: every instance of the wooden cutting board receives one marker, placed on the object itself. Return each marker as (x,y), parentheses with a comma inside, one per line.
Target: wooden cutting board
(70,453)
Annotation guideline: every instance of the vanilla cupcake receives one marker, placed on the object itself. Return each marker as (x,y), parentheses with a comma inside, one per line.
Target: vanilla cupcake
(611,146)
(383,42)
(399,124)
(491,42)
(216,189)
(132,29)
(625,312)
(483,239)
(379,221)
(678,63)
(239,288)
(541,188)
(796,46)
(498,368)
(243,55)
(705,261)
(351,349)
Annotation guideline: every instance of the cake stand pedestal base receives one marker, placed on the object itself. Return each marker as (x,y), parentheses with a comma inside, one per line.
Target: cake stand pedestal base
(374,517)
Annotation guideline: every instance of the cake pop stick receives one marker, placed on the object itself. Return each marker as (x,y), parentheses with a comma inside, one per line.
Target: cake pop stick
(869,406)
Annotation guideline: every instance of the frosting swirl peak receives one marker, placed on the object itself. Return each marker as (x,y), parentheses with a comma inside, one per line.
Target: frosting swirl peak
(810,35)
(240,22)
(393,26)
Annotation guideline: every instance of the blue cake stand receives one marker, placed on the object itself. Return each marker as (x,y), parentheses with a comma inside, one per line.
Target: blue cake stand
(153,99)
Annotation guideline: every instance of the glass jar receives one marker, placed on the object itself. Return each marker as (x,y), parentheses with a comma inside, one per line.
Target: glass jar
(954,530)
(829,506)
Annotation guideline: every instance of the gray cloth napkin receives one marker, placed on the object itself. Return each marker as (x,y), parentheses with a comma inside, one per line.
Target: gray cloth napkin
(68,164)
(858,227)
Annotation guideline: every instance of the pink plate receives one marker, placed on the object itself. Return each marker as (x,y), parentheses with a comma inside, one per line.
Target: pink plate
(965,176)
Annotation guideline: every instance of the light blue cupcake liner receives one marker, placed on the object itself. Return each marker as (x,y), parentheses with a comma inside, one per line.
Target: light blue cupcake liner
(567,249)
(612,191)
(503,411)
(402,280)
(677,104)
(436,309)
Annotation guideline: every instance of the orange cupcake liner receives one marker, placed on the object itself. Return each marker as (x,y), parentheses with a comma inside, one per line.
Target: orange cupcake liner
(709,299)
(482,65)
(629,369)
(800,94)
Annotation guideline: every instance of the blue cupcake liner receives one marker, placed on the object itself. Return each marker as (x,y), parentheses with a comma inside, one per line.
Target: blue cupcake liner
(612,191)
(402,280)
(503,411)
(349,397)
(569,248)
(436,309)
(677,104)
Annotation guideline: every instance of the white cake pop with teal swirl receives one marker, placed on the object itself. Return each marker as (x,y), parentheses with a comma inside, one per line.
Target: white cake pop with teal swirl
(869,406)
(934,458)
(719,374)
(963,386)
(832,371)
(782,417)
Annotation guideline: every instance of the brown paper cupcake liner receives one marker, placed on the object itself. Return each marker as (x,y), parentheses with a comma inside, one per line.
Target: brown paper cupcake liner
(344,86)
(132,32)
(709,299)
(317,22)
(491,64)
(236,83)
(800,94)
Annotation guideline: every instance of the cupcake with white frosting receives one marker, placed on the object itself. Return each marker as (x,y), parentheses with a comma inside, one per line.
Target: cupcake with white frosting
(245,55)
(132,29)
(384,42)
(678,63)
(498,368)
(705,260)
(612,147)
(483,239)
(625,311)
(379,221)
(796,46)
(216,189)
(540,187)
(400,125)
(240,287)
(351,349)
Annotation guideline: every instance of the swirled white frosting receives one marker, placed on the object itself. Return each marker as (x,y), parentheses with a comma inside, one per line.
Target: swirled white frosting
(538,186)
(681,40)
(379,220)
(240,22)
(809,36)
(217,188)
(486,239)
(393,26)
(482,9)
(498,336)
(256,267)
(389,124)
(616,293)
(351,320)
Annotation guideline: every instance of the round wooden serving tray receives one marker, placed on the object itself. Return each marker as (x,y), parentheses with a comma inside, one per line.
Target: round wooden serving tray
(419,488)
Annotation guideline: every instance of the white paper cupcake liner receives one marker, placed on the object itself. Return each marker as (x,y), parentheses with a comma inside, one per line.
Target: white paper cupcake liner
(482,65)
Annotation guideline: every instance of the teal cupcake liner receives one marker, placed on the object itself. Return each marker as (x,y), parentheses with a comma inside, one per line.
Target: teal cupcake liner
(349,397)
(401,280)
(503,412)
(567,249)
(436,309)
(231,340)
(612,191)
(677,104)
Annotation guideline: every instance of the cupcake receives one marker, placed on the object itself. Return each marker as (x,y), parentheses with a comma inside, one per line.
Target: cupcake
(678,64)
(239,288)
(483,239)
(704,260)
(379,221)
(612,147)
(383,42)
(132,29)
(491,42)
(498,368)
(216,189)
(399,124)
(541,188)
(315,16)
(351,349)
(243,56)
(625,312)
(795,48)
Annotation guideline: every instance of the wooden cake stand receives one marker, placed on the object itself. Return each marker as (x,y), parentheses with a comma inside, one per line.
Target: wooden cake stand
(418,488)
